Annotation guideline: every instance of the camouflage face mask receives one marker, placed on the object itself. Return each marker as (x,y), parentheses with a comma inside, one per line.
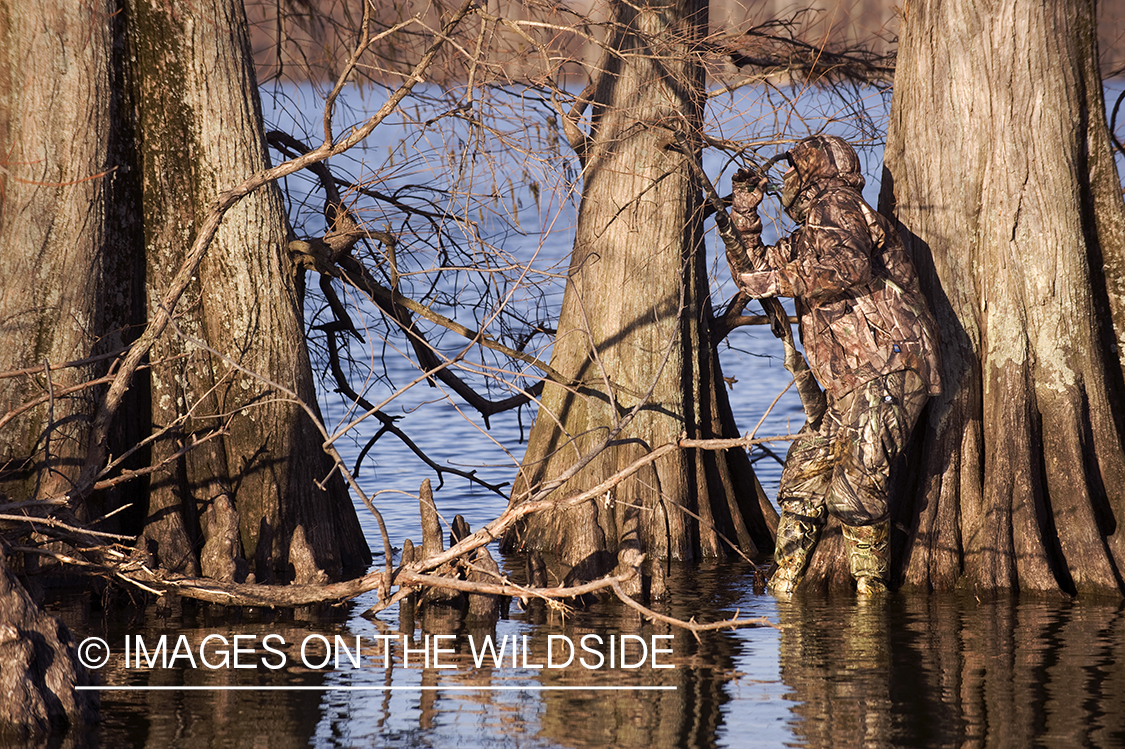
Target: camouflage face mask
(790,188)
(791,182)
(791,194)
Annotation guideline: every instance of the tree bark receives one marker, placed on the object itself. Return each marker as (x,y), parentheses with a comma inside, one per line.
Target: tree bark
(198,139)
(121,124)
(39,667)
(634,325)
(70,259)
(999,172)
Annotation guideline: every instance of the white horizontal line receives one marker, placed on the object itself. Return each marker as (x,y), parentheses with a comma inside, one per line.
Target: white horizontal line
(397,688)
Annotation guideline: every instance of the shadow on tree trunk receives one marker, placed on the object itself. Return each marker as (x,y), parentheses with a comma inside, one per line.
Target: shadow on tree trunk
(39,668)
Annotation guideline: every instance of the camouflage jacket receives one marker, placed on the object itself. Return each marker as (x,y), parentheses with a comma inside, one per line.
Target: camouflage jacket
(861,311)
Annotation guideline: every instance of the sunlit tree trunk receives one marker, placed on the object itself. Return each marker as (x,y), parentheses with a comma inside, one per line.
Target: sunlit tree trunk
(1000,175)
(634,325)
(199,139)
(118,134)
(70,259)
(58,222)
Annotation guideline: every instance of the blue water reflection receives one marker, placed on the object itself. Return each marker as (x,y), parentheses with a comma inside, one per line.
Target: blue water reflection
(915,671)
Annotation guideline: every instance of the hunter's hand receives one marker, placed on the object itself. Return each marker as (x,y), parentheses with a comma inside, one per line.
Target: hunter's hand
(748,189)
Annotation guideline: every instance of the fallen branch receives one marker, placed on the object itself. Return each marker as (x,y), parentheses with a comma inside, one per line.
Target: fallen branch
(413,575)
(285,596)
(692,626)
(50,522)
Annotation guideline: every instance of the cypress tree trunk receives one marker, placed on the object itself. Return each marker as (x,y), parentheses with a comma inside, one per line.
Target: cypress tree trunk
(70,265)
(57,221)
(999,172)
(634,324)
(254,491)
(121,125)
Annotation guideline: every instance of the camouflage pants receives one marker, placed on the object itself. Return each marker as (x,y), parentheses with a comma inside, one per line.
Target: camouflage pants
(843,466)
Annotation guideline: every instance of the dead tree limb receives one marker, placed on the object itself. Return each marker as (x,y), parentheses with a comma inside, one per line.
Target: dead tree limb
(330,256)
(311,255)
(413,574)
(775,47)
(692,626)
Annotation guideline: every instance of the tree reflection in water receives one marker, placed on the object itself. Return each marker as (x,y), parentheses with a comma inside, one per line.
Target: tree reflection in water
(911,671)
(954,671)
(685,717)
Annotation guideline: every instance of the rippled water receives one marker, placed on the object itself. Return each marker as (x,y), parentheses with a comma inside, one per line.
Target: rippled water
(915,671)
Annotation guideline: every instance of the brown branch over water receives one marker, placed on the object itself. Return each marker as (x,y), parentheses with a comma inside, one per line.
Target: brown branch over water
(416,575)
(112,562)
(274,596)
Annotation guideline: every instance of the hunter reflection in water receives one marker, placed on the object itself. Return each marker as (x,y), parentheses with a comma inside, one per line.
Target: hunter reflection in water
(928,671)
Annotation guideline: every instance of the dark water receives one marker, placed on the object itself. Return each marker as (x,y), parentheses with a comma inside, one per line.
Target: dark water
(913,671)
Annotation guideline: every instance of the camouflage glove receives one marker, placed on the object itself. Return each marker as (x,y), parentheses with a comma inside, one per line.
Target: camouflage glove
(748,191)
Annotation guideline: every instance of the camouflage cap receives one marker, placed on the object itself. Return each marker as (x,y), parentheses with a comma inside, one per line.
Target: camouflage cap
(818,160)
(822,157)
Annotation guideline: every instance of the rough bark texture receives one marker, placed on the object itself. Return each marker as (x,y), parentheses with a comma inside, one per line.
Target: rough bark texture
(58,220)
(39,667)
(69,261)
(199,138)
(1000,175)
(120,123)
(635,319)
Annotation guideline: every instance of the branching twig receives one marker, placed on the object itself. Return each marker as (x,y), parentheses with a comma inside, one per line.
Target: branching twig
(692,626)
(357,275)
(60,525)
(762,48)
(812,398)
(388,425)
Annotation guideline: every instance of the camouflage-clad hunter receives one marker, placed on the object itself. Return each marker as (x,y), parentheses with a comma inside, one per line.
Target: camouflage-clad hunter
(871,343)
